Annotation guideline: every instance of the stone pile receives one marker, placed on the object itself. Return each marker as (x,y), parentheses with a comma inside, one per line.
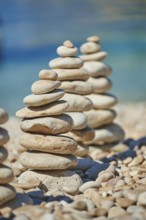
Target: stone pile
(43,122)
(7,192)
(101,117)
(74,82)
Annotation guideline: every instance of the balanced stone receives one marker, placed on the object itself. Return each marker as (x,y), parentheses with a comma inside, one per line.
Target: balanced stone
(48,125)
(77,103)
(3,116)
(82,150)
(94,56)
(64,51)
(7,193)
(90,47)
(66,62)
(99,118)
(55,108)
(86,134)
(72,74)
(3,154)
(45,161)
(96,69)
(77,87)
(108,134)
(53,179)
(102,101)
(40,100)
(4,137)
(44,86)
(48,74)
(6,174)
(54,144)
(93,39)
(100,84)
(79,119)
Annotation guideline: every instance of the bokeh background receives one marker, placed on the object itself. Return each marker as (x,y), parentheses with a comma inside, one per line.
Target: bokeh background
(31,30)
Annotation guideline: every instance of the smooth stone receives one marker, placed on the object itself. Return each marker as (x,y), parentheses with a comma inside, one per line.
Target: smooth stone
(97,118)
(87,185)
(142,199)
(21,217)
(124,202)
(44,99)
(86,134)
(55,108)
(108,134)
(100,84)
(72,74)
(77,103)
(7,193)
(68,43)
(66,62)
(48,75)
(44,86)
(3,154)
(47,143)
(79,119)
(82,150)
(53,179)
(90,47)
(21,199)
(48,125)
(116,211)
(47,216)
(6,174)
(97,69)
(3,116)
(65,51)
(102,101)
(45,161)
(132,194)
(77,87)
(99,56)
(134,208)
(93,38)
(4,136)
(93,172)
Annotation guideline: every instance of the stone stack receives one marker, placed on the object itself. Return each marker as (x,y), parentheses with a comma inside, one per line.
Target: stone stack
(74,82)
(7,192)
(43,122)
(101,116)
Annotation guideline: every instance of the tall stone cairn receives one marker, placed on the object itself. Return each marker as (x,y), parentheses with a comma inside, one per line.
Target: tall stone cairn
(7,192)
(102,115)
(74,82)
(43,122)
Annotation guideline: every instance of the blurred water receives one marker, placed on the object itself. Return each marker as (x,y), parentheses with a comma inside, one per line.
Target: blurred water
(31,31)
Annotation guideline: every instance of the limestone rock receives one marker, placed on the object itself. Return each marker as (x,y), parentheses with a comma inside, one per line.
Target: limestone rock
(44,161)
(44,86)
(52,179)
(102,101)
(77,103)
(48,143)
(99,118)
(86,134)
(90,47)
(79,119)
(44,99)
(96,69)
(72,74)
(6,174)
(3,154)
(48,125)
(77,87)
(99,56)
(66,62)
(4,137)
(100,84)
(55,108)
(65,51)
(48,74)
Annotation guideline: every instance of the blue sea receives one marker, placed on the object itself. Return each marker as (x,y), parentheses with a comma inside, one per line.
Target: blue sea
(31,30)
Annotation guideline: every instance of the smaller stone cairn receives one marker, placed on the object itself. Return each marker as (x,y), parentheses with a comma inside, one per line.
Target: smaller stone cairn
(7,192)
(48,153)
(101,116)
(74,82)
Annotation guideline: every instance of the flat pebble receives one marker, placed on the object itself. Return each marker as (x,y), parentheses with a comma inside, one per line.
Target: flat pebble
(116,212)
(3,154)
(72,74)
(79,119)
(98,56)
(142,198)
(100,84)
(46,74)
(66,62)
(4,136)
(87,185)
(3,116)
